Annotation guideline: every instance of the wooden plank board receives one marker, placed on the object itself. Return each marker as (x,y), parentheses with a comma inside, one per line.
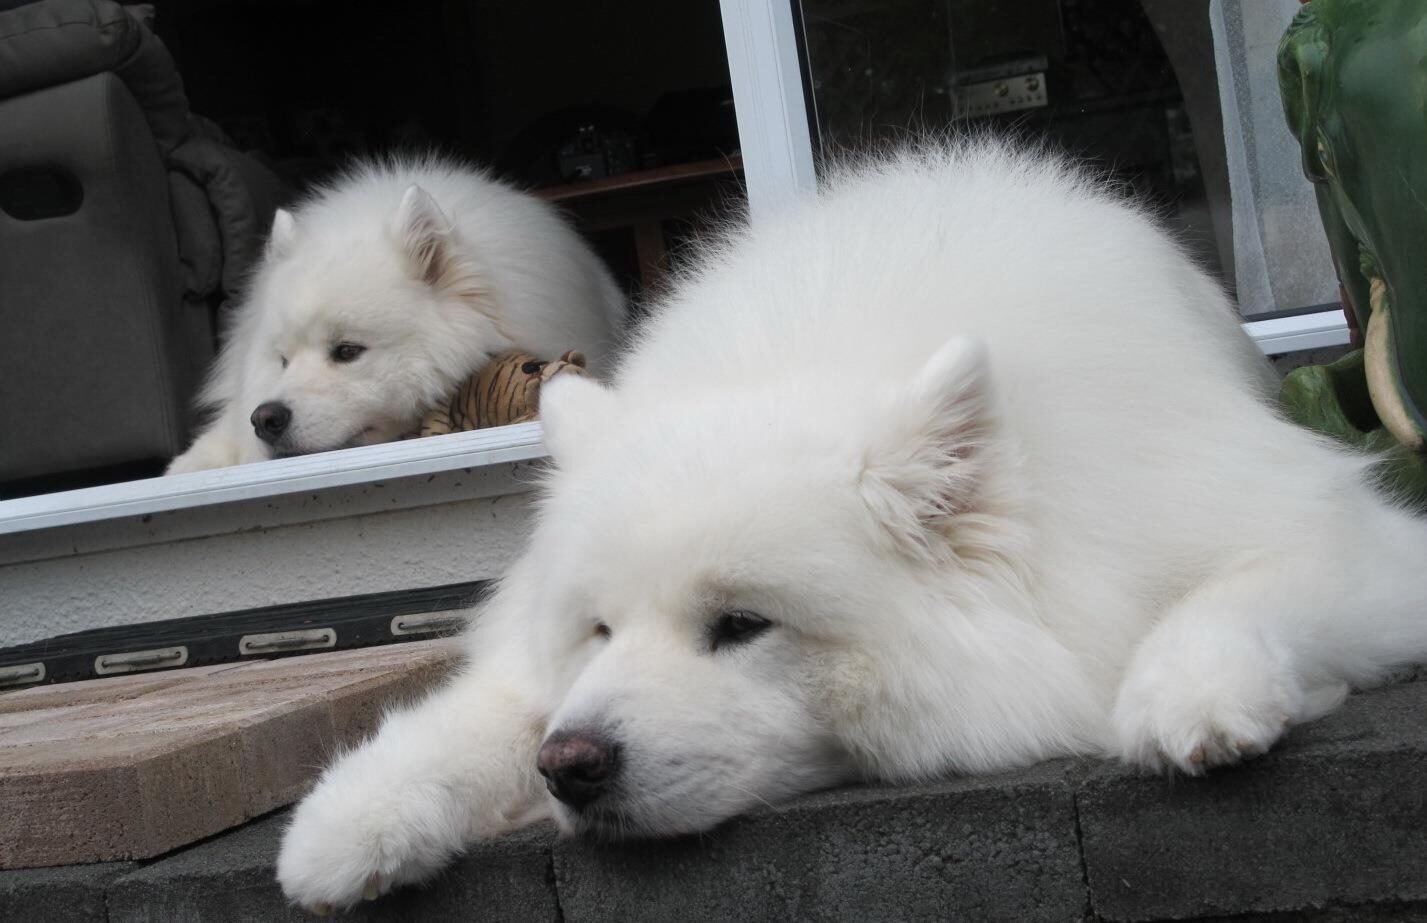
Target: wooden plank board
(135,766)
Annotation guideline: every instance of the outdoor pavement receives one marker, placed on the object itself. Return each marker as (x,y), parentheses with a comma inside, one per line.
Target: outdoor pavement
(1332,826)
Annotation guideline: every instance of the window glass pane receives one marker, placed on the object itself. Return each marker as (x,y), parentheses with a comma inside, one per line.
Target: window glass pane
(1134,86)
(1281,254)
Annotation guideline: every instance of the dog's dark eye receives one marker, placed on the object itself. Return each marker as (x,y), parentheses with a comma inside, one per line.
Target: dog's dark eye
(532,367)
(736,626)
(346,352)
(283,360)
(602,630)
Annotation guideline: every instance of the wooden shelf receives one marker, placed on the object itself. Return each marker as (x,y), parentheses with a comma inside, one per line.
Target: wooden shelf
(644,180)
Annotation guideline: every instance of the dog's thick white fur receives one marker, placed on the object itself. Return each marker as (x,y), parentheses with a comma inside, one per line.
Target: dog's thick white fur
(1002,474)
(429,268)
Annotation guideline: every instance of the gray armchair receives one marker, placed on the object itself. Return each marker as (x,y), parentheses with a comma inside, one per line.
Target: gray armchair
(125,222)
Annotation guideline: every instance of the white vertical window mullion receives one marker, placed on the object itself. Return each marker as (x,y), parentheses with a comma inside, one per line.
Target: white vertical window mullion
(768,95)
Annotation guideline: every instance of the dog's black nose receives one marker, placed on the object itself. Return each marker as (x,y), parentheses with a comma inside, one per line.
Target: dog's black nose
(270,421)
(578,766)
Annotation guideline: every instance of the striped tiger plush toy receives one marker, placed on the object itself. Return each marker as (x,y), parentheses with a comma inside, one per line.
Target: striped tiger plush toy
(506,390)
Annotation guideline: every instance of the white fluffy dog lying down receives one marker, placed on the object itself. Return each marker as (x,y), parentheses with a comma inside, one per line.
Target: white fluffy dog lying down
(959,467)
(379,294)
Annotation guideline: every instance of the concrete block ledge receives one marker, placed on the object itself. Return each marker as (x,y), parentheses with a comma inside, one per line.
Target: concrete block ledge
(1331,827)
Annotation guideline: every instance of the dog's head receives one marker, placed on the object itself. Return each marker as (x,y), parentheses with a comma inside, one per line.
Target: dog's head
(720,562)
(362,322)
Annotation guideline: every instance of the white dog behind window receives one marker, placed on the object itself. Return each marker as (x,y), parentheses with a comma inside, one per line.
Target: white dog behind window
(383,291)
(959,467)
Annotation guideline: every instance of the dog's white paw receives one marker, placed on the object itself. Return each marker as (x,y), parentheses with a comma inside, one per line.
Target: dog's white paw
(213,449)
(1195,733)
(191,461)
(1194,704)
(355,839)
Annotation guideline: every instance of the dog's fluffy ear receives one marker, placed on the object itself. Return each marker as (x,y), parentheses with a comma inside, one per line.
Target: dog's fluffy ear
(424,234)
(573,410)
(282,236)
(925,467)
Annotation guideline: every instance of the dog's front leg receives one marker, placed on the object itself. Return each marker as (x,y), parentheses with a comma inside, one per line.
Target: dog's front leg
(1277,641)
(459,766)
(215,448)
(228,440)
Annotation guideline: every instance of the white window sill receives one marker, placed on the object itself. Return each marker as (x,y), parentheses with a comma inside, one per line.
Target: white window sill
(1303,332)
(482,449)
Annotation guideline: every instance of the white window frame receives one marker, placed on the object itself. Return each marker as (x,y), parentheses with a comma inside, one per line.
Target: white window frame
(774,131)
(1300,332)
(779,168)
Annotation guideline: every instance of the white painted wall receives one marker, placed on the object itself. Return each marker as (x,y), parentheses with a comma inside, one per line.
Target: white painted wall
(420,532)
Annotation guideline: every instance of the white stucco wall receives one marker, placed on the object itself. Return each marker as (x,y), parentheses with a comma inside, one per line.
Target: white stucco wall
(427,531)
